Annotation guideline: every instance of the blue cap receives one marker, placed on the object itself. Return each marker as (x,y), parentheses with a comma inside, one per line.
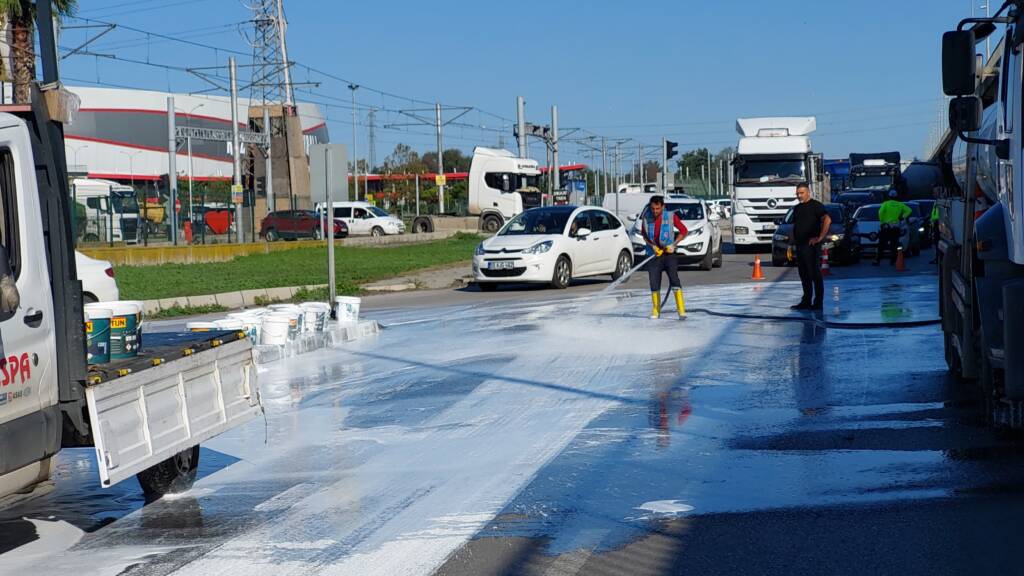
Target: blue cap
(893,193)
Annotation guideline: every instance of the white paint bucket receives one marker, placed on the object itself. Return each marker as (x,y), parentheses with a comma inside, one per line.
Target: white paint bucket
(347,308)
(201,326)
(124,329)
(230,324)
(251,323)
(276,329)
(316,315)
(294,309)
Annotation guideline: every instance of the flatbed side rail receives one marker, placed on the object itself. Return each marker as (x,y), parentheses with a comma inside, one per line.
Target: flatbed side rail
(143,418)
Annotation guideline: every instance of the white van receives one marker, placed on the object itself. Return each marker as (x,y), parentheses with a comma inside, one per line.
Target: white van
(365,219)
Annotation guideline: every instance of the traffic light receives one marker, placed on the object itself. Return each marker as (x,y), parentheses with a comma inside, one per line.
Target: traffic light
(670,149)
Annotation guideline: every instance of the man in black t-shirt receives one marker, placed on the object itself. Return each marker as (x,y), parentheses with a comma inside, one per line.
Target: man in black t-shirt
(810,225)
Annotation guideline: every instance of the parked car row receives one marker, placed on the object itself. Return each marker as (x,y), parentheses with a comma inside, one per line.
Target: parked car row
(842,246)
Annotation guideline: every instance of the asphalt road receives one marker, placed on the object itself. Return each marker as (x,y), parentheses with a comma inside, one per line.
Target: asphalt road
(531,432)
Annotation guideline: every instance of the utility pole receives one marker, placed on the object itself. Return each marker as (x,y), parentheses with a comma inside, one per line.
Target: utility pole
(440,157)
(521,125)
(719,176)
(604,165)
(708,150)
(355,154)
(172,169)
(236,146)
(268,185)
(640,164)
(557,174)
(664,165)
(372,137)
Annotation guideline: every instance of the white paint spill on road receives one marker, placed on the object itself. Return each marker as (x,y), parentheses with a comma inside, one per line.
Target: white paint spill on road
(665,507)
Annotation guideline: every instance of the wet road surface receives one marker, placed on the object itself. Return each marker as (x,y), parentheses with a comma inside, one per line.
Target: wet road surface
(578,437)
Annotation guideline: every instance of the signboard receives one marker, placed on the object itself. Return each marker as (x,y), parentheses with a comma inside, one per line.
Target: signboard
(328,163)
(237,194)
(440,179)
(219,135)
(560,197)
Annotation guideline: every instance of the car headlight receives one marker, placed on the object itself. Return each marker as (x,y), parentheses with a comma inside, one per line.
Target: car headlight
(695,232)
(781,237)
(479,249)
(835,237)
(741,230)
(694,247)
(921,229)
(539,248)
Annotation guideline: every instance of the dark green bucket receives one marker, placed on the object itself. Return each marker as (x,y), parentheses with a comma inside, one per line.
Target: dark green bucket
(97,330)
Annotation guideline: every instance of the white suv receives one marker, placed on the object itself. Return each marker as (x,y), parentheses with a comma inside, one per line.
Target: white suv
(703,244)
(365,219)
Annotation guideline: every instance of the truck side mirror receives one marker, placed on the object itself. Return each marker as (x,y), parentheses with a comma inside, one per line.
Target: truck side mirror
(506,186)
(959,65)
(965,114)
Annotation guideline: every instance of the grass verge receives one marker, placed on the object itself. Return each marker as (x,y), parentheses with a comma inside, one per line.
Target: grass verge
(178,311)
(354,266)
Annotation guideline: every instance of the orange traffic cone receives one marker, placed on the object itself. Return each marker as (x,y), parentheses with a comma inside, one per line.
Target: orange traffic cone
(757,275)
(824,262)
(900,265)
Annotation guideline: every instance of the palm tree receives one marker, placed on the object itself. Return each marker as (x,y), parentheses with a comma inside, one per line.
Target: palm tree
(20,16)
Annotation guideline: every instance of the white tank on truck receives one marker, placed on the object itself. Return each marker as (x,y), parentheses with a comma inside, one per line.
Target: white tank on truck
(773,156)
(501,185)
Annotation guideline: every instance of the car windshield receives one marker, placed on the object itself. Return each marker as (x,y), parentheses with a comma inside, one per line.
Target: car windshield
(750,171)
(537,221)
(688,211)
(378,212)
(873,181)
(867,214)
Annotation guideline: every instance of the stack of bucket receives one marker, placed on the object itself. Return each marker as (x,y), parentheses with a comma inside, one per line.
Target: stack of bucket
(114,330)
(275,325)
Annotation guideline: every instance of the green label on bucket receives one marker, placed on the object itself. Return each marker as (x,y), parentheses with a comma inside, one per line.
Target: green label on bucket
(98,333)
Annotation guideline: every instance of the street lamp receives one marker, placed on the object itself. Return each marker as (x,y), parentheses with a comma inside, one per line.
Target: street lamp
(145,211)
(355,156)
(78,149)
(188,140)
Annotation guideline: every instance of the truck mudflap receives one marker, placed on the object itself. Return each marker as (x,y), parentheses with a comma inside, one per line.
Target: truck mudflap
(143,418)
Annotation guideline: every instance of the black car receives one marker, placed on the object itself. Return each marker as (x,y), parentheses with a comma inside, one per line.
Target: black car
(855,198)
(841,247)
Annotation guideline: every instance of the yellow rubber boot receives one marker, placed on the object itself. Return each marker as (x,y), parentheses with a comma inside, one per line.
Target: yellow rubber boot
(655,305)
(680,303)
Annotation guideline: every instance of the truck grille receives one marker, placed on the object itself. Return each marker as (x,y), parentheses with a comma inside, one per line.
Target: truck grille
(129,230)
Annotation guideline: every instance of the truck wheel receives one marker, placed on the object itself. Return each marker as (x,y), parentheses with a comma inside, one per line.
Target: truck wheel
(491,224)
(272,235)
(377,232)
(622,265)
(706,263)
(422,226)
(176,474)
(563,273)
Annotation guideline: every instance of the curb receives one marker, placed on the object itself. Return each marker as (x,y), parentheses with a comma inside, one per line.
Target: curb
(230,300)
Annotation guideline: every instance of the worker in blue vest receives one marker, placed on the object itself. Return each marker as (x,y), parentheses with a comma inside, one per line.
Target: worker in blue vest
(662,232)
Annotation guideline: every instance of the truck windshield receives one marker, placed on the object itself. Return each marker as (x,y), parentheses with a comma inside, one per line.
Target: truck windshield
(542,221)
(124,203)
(750,171)
(872,181)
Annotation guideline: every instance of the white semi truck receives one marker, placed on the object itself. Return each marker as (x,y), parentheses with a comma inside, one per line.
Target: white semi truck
(146,415)
(501,185)
(773,156)
(981,225)
(111,210)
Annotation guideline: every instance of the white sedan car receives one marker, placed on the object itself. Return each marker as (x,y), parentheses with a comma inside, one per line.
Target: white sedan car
(554,245)
(97,278)
(703,243)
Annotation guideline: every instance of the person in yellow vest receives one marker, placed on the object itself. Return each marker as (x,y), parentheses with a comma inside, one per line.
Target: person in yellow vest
(891,215)
(662,231)
(933,229)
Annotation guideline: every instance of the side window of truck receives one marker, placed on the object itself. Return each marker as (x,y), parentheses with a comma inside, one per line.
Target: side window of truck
(9,213)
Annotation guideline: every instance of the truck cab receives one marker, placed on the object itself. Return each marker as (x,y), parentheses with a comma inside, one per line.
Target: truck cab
(878,171)
(111,210)
(501,185)
(773,156)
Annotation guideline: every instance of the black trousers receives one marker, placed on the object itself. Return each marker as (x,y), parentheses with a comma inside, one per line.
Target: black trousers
(808,262)
(665,263)
(888,240)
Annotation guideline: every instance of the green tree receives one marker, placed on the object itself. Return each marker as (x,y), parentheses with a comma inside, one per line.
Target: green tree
(20,16)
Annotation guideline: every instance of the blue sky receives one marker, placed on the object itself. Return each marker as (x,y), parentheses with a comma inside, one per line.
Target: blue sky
(869,70)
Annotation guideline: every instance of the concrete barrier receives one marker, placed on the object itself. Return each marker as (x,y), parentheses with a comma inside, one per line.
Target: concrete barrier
(156,255)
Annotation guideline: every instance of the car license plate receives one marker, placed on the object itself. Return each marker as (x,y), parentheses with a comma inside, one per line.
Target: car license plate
(768,228)
(501,265)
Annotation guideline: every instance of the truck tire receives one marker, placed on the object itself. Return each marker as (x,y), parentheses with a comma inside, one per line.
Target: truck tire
(562,275)
(176,474)
(422,225)
(490,224)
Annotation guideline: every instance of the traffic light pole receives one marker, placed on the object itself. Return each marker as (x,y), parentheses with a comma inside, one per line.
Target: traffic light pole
(664,165)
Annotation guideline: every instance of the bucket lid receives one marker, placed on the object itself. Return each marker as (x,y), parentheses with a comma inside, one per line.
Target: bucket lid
(284,306)
(201,325)
(98,311)
(123,308)
(230,324)
(348,299)
(320,306)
